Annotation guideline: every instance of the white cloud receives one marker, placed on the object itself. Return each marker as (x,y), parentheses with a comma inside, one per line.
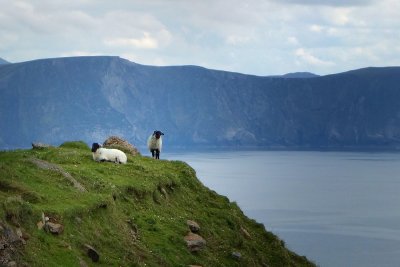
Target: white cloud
(340,16)
(328,2)
(146,42)
(316,28)
(264,36)
(79,53)
(237,39)
(293,40)
(7,39)
(308,58)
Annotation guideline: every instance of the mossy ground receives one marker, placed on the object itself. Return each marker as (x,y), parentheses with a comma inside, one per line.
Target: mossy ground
(133,214)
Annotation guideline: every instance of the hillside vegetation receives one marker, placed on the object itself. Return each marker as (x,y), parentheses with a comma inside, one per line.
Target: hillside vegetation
(61,208)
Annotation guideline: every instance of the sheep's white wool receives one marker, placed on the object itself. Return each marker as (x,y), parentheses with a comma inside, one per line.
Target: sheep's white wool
(154,143)
(110,154)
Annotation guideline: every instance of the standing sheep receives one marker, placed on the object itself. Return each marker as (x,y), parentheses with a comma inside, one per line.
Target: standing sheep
(154,143)
(108,154)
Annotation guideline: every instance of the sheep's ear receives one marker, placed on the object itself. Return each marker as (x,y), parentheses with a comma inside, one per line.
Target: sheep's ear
(154,133)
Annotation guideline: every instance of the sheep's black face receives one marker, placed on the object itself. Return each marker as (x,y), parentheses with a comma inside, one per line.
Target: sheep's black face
(95,146)
(158,134)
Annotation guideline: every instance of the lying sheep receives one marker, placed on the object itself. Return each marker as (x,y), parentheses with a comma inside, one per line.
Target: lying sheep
(108,154)
(154,143)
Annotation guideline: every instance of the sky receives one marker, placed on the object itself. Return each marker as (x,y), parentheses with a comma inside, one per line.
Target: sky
(259,37)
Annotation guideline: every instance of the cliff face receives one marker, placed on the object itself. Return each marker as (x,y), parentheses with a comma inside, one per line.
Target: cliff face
(90,98)
(61,208)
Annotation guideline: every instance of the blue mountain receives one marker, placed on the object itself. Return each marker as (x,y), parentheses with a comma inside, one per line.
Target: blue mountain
(91,98)
(300,75)
(3,61)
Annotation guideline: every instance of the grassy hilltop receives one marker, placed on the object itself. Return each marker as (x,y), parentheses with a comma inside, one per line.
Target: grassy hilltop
(128,215)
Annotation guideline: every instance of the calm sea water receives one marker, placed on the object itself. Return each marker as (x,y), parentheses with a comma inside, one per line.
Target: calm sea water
(336,208)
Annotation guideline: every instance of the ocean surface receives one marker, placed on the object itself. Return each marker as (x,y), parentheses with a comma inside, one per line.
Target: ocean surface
(336,208)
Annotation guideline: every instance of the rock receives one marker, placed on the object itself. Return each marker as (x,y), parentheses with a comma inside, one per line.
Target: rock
(54,228)
(11,236)
(53,167)
(119,143)
(245,232)
(92,253)
(11,243)
(134,231)
(40,146)
(134,235)
(236,255)
(193,226)
(194,242)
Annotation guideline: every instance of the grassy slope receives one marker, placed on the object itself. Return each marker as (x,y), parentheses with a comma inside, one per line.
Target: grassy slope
(133,214)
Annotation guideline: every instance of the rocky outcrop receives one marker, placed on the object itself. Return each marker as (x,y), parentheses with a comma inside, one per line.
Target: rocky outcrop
(120,143)
(244,232)
(39,145)
(50,166)
(236,255)
(193,240)
(50,225)
(193,226)
(12,240)
(92,253)
(54,228)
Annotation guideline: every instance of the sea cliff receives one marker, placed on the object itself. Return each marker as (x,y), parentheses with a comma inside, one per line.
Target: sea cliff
(61,208)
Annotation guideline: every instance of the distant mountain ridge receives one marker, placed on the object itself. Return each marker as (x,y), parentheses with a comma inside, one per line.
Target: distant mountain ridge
(300,75)
(3,61)
(91,98)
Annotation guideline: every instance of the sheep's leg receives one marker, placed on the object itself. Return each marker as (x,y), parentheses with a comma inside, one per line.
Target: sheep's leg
(152,153)
(157,154)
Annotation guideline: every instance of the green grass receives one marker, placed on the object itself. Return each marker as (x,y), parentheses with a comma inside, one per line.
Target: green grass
(133,214)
